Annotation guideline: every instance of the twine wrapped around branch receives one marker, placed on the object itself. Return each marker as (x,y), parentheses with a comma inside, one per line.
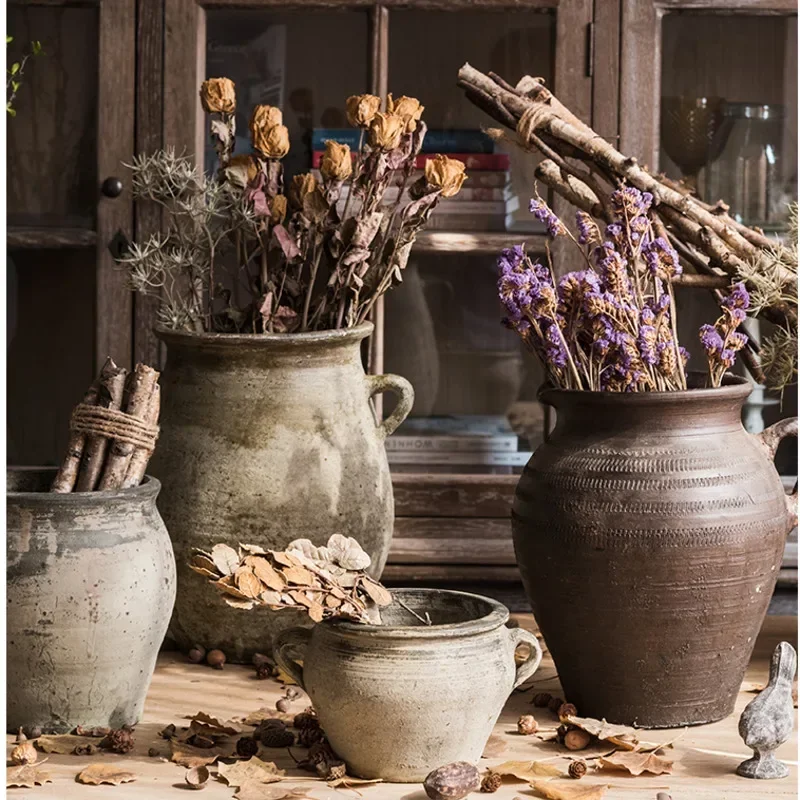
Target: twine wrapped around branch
(112,424)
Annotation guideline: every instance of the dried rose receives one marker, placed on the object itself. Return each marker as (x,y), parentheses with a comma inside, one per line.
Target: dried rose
(242,169)
(218,96)
(273,143)
(385,130)
(361,108)
(277,209)
(407,107)
(302,186)
(446,174)
(263,118)
(337,164)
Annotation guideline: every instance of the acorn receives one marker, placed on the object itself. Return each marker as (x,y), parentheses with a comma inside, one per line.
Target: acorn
(567,710)
(283,705)
(33,731)
(576,739)
(197,654)
(215,659)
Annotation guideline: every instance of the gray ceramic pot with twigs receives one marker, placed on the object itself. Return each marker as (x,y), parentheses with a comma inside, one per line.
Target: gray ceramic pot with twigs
(269,438)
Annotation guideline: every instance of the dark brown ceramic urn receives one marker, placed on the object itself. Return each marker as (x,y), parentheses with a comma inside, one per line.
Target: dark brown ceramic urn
(649,532)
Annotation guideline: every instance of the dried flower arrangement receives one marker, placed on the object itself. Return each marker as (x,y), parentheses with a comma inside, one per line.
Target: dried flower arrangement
(324,581)
(304,257)
(613,326)
(113,431)
(583,168)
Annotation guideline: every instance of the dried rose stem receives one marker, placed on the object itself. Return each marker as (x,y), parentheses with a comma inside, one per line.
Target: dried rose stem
(68,471)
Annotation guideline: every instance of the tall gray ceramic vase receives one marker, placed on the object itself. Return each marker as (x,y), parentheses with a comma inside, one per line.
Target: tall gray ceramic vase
(265,439)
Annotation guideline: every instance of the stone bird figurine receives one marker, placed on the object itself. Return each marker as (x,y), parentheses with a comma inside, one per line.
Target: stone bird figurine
(767,720)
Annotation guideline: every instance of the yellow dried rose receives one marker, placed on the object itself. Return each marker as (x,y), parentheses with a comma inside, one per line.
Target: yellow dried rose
(247,165)
(407,107)
(385,130)
(302,186)
(337,164)
(277,209)
(361,108)
(218,96)
(263,118)
(446,174)
(274,142)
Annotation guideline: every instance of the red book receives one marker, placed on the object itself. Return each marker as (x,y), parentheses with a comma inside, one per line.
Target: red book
(497,162)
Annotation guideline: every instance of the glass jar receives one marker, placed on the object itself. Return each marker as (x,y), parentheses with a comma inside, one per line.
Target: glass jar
(747,174)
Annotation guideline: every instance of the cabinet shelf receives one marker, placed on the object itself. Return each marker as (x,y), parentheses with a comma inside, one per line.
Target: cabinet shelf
(45,237)
(461,242)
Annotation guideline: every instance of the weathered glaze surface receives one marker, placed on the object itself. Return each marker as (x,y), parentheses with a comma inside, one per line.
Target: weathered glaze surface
(649,532)
(399,700)
(266,439)
(91,583)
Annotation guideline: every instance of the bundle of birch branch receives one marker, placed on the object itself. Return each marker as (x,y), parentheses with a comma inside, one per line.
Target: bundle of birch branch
(585,169)
(113,431)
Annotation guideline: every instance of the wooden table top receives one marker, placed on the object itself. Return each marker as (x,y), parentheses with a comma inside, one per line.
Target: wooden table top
(705,757)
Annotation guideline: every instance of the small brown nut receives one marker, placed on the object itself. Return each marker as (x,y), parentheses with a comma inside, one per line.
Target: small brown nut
(33,731)
(263,671)
(542,699)
(577,768)
(561,732)
(292,693)
(21,737)
(24,753)
(526,725)
(84,750)
(197,777)
(555,703)
(305,720)
(215,659)
(168,732)
(452,781)
(576,739)
(260,658)
(197,654)
(491,782)
(310,735)
(246,747)
(567,710)
(153,752)
(283,705)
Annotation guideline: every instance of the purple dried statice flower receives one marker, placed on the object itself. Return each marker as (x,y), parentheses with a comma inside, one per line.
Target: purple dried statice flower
(554,347)
(737,340)
(511,258)
(738,298)
(711,340)
(630,202)
(661,259)
(685,355)
(614,231)
(588,232)
(544,214)
(648,340)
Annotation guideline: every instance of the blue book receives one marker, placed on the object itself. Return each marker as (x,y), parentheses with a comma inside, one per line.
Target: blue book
(436,141)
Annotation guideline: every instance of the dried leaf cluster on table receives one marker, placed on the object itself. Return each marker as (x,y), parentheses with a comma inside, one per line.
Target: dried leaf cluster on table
(324,581)
(113,431)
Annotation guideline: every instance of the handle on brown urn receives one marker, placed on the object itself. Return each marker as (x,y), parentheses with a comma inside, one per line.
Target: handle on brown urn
(405,399)
(296,639)
(770,439)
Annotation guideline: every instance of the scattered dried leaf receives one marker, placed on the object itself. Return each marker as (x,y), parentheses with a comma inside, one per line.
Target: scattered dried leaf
(637,763)
(95,774)
(26,776)
(221,727)
(253,770)
(348,781)
(188,756)
(528,770)
(602,729)
(63,744)
(553,790)
(250,790)
(225,558)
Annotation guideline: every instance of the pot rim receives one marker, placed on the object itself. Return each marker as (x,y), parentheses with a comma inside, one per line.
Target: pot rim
(340,335)
(148,488)
(734,388)
(496,617)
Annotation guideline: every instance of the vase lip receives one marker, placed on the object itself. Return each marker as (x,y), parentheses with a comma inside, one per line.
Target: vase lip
(288,340)
(734,388)
(148,489)
(495,617)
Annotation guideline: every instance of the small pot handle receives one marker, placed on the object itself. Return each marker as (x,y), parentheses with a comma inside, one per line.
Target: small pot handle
(770,439)
(293,638)
(531,664)
(405,394)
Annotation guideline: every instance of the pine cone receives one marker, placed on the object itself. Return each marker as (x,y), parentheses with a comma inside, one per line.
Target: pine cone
(555,703)
(275,736)
(577,769)
(119,741)
(309,736)
(321,751)
(567,710)
(246,747)
(542,699)
(491,782)
(305,720)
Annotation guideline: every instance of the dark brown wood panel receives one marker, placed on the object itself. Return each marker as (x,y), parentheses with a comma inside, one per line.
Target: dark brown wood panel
(451,573)
(456,540)
(33,237)
(605,69)
(427,495)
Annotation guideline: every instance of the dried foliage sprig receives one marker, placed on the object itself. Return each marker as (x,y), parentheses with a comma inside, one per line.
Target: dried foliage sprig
(612,326)
(585,169)
(313,255)
(324,581)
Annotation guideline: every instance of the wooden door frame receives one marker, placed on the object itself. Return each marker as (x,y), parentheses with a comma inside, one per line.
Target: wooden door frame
(640,62)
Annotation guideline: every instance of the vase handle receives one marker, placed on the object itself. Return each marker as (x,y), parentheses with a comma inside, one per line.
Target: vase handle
(770,439)
(405,399)
(531,664)
(296,639)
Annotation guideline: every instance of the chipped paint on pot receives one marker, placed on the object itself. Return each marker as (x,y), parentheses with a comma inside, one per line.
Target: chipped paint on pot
(400,699)
(90,588)
(649,532)
(264,439)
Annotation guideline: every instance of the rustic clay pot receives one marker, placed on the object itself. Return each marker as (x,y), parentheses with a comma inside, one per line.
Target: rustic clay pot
(649,531)
(90,588)
(400,699)
(265,439)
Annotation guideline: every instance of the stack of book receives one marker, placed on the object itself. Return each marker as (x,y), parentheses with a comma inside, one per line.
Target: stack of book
(486,201)
(457,443)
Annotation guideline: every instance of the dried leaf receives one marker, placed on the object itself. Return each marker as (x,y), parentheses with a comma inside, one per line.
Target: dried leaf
(252,549)
(528,770)
(603,730)
(347,780)
(215,725)
(316,612)
(257,717)
(379,595)
(95,774)
(189,756)
(63,744)
(495,746)
(245,605)
(271,598)
(225,558)
(202,561)
(268,575)
(299,576)
(247,583)
(347,552)
(637,763)
(554,790)
(253,770)
(250,790)
(26,776)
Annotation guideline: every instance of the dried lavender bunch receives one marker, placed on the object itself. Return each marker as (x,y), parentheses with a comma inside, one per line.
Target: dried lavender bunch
(611,326)
(310,256)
